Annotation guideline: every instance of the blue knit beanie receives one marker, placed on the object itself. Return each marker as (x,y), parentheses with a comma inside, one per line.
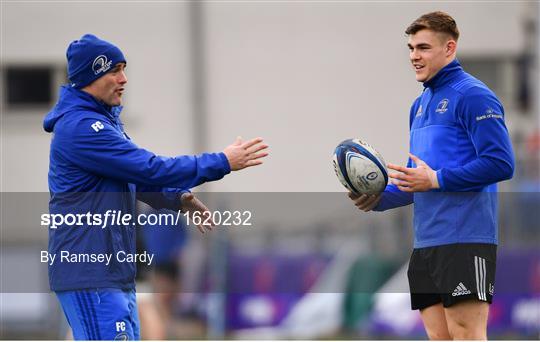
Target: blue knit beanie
(89,58)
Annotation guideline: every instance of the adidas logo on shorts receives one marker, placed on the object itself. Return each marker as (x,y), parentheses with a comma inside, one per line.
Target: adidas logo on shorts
(460,290)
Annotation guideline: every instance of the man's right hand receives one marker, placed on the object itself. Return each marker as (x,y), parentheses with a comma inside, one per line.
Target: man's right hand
(242,154)
(365,202)
(194,207)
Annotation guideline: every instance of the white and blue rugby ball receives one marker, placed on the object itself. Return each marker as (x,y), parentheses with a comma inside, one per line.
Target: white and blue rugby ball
(359,167)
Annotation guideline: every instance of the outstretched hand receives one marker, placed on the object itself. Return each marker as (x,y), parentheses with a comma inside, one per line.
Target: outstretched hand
(194,207)
(242,154)
(420,178)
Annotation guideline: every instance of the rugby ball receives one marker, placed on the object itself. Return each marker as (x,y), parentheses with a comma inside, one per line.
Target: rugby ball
(359,167)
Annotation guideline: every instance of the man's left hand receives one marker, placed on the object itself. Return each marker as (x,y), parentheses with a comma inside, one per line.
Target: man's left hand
(420,178)
(192,205)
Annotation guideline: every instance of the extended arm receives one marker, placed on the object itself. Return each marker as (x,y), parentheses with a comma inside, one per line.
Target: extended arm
(109,154)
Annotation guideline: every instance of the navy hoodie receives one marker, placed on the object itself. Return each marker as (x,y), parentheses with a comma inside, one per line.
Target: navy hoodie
(94,168)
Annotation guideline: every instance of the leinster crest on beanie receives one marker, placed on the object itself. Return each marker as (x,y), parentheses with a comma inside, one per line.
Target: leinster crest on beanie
(89,58)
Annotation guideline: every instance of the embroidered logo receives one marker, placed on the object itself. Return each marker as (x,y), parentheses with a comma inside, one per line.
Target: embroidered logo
(419,111)
(490,113)
(442,106)
(97,126)
(101,64)
(121,337)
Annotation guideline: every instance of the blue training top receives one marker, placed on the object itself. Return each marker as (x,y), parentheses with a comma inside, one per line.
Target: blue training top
(456,127)
(95,168)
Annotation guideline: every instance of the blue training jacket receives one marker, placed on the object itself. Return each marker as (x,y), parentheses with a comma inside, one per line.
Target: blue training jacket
(456,127)
(95,168)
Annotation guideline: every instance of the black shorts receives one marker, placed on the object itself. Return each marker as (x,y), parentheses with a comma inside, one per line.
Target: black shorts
(452,273)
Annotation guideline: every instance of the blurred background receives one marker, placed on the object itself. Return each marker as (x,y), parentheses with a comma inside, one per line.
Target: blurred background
(304,75)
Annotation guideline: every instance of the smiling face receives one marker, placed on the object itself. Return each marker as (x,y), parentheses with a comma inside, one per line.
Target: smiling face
(109,88)
(430,51)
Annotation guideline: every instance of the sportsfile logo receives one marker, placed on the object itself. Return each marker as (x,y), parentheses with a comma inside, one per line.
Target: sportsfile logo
(101,64)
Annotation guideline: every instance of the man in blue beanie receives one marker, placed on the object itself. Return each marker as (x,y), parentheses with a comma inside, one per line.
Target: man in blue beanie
(90,58)
(96,174)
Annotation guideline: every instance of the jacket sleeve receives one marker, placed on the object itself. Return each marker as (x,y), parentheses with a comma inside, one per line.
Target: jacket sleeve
(482,116)
(105,151)
(160,198)
(392,197)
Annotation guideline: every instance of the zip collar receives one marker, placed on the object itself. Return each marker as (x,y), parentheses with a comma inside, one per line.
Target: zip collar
(101,107)
(445,75)
(75,100)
